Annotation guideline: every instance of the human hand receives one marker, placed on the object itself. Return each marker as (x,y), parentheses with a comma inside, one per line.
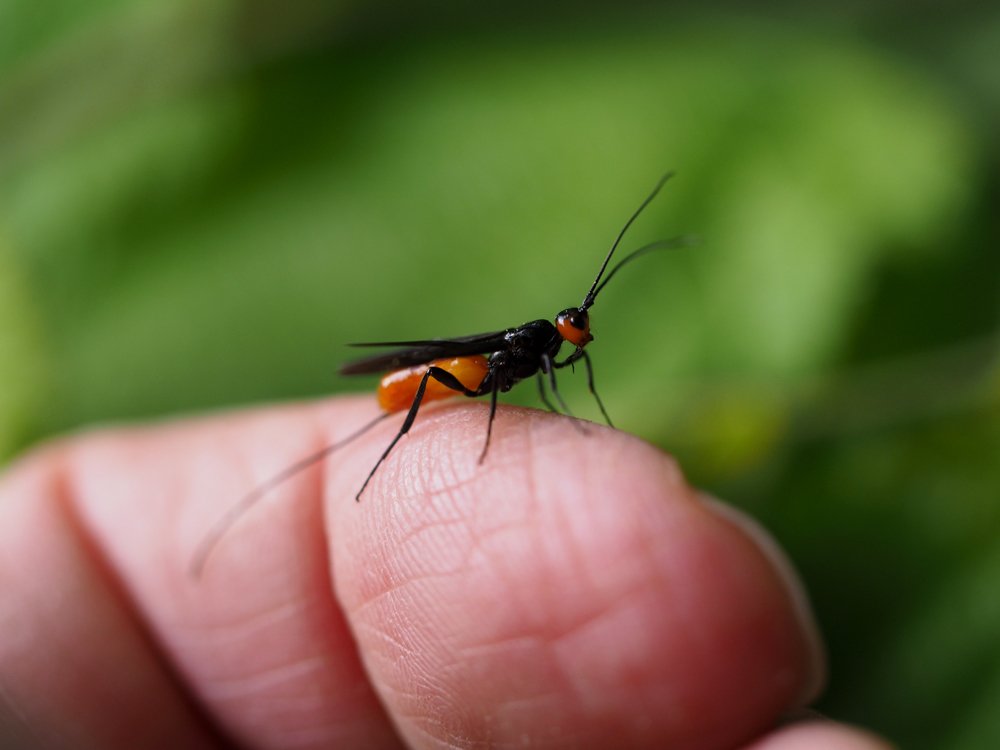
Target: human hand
(572,591)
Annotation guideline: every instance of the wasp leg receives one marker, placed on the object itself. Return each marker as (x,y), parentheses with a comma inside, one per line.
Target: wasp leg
(590,385)
(489,425)
(549,366)
(442,376)
(446,378)
(544,395)
(570,360)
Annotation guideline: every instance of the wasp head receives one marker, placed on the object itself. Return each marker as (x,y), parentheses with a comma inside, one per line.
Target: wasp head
(573,325)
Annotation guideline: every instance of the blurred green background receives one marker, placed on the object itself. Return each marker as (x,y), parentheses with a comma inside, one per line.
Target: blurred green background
(202,201)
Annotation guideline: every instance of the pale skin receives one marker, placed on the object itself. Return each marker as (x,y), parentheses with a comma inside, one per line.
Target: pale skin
(572,591)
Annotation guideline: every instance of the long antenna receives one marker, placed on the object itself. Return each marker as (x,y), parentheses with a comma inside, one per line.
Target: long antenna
(211,540)
(589,299)
(671,244)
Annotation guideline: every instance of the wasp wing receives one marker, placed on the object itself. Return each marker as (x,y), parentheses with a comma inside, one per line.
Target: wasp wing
(421,352)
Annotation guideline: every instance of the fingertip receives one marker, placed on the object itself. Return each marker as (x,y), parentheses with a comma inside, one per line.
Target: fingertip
(815,673)
(572,581)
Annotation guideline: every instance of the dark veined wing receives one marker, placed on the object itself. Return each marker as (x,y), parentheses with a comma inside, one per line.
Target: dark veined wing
(421,352)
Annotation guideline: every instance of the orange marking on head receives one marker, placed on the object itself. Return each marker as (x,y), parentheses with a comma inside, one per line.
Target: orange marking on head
(574,326)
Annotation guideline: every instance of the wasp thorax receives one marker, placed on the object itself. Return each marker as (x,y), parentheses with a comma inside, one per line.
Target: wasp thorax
(573,325)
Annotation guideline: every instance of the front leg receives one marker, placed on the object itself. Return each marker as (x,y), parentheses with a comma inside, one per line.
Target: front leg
(568,362)
(549,366)
(590,385)
(571,359)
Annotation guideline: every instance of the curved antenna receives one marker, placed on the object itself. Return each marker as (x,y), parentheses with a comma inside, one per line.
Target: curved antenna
(211,540)
(671,244)
(589,299)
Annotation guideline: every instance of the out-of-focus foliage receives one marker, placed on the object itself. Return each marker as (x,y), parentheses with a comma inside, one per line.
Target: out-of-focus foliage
(201,202)
(22,362)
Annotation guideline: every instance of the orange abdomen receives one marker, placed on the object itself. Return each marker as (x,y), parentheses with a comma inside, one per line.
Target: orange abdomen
(397,390)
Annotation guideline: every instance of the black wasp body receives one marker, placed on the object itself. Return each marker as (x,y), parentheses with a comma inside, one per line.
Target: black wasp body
(529,349)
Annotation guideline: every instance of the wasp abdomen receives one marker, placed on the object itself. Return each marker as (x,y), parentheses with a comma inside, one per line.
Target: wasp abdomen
(397,390)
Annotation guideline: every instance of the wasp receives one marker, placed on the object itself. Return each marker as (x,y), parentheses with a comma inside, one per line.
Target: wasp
(482,364)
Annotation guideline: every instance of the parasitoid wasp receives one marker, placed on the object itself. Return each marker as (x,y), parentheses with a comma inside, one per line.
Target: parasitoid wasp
(485,363)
